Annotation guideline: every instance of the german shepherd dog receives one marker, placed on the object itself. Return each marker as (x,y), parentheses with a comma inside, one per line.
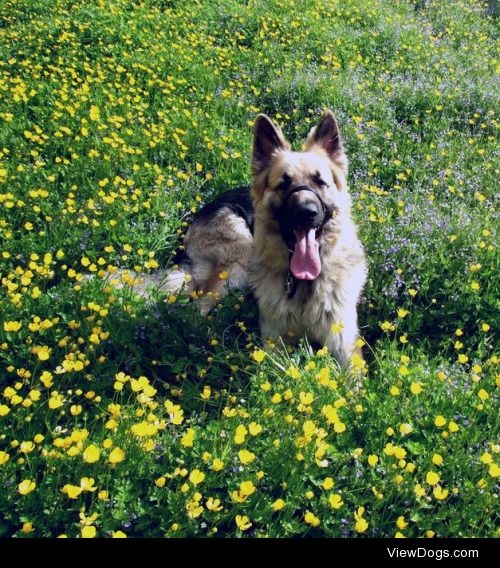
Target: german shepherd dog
(290,238)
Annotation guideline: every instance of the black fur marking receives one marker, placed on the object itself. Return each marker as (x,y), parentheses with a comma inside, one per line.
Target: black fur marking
(238,200)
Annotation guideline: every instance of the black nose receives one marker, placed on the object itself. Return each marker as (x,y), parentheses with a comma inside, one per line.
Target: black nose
(305,215)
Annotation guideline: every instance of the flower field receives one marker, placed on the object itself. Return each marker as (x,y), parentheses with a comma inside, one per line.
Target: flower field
(122,418)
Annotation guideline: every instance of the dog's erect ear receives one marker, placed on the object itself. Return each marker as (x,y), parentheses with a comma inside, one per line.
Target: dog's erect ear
(326,135)
(267,139)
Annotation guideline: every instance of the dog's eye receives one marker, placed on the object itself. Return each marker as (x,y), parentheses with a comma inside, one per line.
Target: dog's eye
(285,183)
(318,181)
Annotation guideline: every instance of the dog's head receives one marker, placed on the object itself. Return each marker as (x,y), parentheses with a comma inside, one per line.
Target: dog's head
(300,193)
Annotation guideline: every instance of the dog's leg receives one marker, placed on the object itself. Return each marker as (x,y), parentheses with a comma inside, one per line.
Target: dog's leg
(342,343)
(268,329)
(220,281)
(175,280)
(238,276)
(210,292)
(272,331)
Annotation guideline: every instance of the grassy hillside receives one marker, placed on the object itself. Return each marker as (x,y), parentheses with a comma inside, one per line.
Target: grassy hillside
(117,418)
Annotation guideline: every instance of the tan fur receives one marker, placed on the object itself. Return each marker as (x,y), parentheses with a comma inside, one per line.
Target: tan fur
(332,298)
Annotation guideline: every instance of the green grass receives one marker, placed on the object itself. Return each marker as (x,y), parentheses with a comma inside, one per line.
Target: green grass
(117,119)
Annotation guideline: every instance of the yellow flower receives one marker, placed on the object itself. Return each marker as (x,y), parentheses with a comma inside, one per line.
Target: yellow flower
(144,429)
(437,459)
(401,523)
(416,388)
(94,113)
(26,447)
(116,456)
(243,522)
(175,412)
(118,534)
(440,493)
(87,521)
(240,434)
(46,379)
(213,504)
(440,421)
(188,438)
(483,395)
(4,457)
(328,483)
(405,429)
(91,454)
(361,524)
(56,401)
(12,325)
(160,482)
(259,355)
(26,487)
(293,372)
(27,528)
(486,458)
(311,519)
(419,490)
(88,532)
(196,477)
(306,398)
(453,426)
(372,460)
(432,478)
(335,501)
(339,427)
(88,484)
(387,326)
(247,488)
(278,505)
(72,491)
(217,465)
(494,470)
(42,352)
(254,428)
(246,457)
(399,452)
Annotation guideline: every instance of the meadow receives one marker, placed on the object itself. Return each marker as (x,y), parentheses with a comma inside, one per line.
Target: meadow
(122,418)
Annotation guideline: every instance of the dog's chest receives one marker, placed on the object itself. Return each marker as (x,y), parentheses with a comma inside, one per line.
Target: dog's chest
(301,304)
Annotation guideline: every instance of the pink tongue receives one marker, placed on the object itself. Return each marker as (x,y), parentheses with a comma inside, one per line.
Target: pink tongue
(305,263)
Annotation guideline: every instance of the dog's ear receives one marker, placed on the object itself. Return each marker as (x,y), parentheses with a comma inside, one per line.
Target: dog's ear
(326,135)
(267,139)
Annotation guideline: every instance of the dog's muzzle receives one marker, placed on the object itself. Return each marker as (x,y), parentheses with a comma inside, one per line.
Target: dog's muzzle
(310,214)
(301,221)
